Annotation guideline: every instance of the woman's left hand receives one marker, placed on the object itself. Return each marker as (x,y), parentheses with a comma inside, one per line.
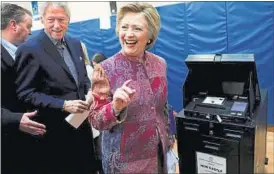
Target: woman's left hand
(123,96)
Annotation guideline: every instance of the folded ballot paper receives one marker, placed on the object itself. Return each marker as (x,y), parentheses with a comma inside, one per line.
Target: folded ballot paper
(76,119)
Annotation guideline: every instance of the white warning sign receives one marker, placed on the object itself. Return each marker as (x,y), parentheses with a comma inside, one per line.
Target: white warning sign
(207,163)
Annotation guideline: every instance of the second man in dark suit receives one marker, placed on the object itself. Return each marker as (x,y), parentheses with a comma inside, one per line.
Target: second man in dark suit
(51,76)
(16,127)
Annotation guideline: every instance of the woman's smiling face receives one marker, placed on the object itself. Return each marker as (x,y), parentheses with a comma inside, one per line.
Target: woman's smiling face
(133,34)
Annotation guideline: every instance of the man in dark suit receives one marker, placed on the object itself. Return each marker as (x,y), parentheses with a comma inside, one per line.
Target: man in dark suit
(15,27)
(51,76)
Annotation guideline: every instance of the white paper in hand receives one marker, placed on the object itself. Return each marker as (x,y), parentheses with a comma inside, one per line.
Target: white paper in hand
(76,119)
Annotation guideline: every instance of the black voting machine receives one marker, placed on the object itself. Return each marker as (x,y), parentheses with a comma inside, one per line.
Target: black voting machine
(222,127)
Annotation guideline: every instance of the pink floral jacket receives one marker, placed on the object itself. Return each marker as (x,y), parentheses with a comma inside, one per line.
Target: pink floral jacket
(131,146)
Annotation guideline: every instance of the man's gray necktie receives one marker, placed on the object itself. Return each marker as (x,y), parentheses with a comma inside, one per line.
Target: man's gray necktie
(63,50)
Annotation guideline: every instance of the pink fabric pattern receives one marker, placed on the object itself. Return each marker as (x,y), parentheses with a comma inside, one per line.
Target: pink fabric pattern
(132,146)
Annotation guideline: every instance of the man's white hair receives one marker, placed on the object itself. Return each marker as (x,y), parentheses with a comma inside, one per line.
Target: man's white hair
(63,5)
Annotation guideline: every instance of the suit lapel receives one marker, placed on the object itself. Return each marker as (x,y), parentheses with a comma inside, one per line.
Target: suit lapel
(51,49)
(6,57)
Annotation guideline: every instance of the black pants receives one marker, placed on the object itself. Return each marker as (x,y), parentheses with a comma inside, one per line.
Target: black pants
(17,154)
(98,154)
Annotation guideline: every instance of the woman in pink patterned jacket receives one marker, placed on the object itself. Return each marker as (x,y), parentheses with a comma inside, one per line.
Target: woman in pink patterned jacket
(130,95)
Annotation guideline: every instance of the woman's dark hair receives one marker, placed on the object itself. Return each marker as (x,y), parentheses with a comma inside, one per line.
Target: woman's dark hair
(98,57)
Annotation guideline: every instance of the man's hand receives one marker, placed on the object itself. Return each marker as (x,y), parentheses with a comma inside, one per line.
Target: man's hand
(123,96)
(75,106)
(31,127)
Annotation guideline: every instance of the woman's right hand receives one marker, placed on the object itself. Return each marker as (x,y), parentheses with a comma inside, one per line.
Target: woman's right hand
(123,96)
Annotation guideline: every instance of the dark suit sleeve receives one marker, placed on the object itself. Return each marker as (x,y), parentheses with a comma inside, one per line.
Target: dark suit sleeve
(87,82)
(10,120)
(28,81)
